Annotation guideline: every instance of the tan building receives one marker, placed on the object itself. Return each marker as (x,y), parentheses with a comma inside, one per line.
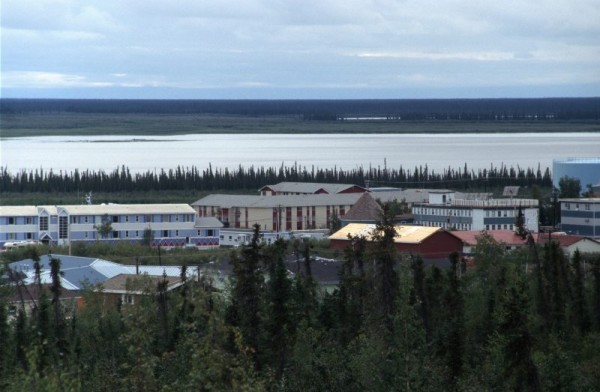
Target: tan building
(276,213)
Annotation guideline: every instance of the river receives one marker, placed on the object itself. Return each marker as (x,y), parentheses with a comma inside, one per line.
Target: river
(346,151)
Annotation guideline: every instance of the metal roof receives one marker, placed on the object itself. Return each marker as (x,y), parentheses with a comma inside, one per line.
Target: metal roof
(404,234)
(25,210)
(79,271)
(209,222)
(122,209)
(309,187)
(229,201)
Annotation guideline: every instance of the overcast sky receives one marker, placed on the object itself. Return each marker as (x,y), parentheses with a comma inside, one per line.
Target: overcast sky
(300,48)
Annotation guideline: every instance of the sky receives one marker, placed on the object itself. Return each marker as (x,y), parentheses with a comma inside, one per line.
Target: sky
(299,49)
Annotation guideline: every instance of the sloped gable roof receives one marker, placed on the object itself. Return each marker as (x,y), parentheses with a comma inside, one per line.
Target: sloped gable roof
(366,209)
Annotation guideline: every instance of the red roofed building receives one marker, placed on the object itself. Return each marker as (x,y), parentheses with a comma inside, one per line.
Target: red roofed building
(431,243)
(570,243)
(506,237)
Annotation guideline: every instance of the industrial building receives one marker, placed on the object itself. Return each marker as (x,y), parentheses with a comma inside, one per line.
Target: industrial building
(586,170)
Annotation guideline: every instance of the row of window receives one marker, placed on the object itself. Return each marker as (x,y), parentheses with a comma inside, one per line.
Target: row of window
(585,206)
(445,225)
(501,213)
(442,211)
(499,227)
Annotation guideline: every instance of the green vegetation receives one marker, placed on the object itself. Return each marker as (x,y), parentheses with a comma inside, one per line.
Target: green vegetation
(513,322)
(89,124)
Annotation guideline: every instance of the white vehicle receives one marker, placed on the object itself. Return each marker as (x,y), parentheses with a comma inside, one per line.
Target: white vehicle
(17,244)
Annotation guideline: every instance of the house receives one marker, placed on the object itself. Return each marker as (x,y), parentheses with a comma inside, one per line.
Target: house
(570,243)
(27,297)
(128,289)
(444,210)
(275,213)
(170,225)
(309,188)
(431,243)
(509,239)
(580,216)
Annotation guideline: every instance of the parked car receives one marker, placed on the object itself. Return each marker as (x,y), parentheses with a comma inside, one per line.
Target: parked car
(17,244)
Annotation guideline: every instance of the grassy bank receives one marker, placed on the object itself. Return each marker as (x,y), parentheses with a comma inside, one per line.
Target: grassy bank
(64,124)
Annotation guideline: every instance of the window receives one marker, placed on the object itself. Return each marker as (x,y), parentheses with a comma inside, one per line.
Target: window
(85,234)
(165,233)
(126,218)
(587,207)
(137,218)
(11,220)
(493,227)
(137,233)
(115,219)
(126,234)
(567,206)
(85,219)
(63,227)
(487,227)
(28,220)
(499,213)
(29,236)
(210,233)
(43,223)
(115,234)
(176,233)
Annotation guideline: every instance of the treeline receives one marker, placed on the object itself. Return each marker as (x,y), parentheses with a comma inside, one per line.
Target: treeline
(400,109)
(516,321)
(122,180)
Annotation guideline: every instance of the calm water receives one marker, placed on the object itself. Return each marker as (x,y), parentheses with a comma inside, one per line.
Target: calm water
(325,151)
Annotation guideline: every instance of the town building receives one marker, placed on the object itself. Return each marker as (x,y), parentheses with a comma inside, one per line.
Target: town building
(309,188)
(276,213)
(444,210)
(580,216)
(365,210)
(170,225)
(431,243)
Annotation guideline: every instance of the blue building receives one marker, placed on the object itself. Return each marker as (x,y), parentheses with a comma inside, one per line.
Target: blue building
(172,225)
(586,170)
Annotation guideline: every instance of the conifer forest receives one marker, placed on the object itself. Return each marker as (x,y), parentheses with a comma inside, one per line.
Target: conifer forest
(520,320)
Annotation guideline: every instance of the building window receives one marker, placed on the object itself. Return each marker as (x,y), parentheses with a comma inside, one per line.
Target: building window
(11,220)
(43,223)
(567,206)
(115,219)
(63,227)
(176,233)
(487,227)
(165,233)
(210,233)
(28,220)
(115,234)
(137,233)
(29,236)
(499,213)
(587,207)
(126,234)
(85,219)
(126,218)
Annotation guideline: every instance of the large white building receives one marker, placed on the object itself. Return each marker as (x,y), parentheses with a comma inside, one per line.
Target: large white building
(171,225)
(443,210)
